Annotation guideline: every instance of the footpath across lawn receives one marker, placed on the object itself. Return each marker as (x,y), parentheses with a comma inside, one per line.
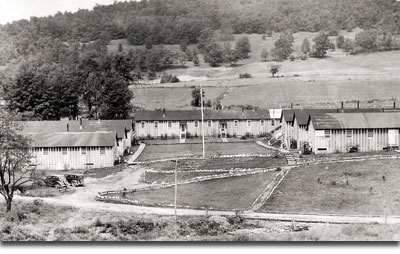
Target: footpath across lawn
(357,188)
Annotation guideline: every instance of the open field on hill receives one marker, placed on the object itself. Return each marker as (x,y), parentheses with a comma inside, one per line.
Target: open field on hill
(227,193)
(372,189)
(152,152)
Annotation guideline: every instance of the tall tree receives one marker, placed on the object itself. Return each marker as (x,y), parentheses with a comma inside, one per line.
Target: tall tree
(264,55)
(305,46)
(15,169)
(340,41)
(283,48)
(321,45)
(243,47)
(196,99)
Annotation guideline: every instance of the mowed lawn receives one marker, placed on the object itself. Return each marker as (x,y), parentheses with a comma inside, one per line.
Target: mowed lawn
(152,152)
(373,189)
(226,194)
(219,163)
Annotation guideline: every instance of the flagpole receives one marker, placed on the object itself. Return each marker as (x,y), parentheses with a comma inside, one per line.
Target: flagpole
(202,119)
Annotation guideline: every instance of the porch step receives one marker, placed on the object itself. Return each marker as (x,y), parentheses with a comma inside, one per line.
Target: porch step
(224,139)
(291,160)
(182,141)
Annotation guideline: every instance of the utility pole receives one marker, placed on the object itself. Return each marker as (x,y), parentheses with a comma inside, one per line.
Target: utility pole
(176,186)
(202,119)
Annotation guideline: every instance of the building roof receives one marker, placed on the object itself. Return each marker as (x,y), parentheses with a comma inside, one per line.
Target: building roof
(73,139)
(302,115)
(363,120)
(190,115)
(118,126)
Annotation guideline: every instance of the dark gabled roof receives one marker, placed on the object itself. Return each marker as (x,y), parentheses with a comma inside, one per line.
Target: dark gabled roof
(363,120)
(190,115)
(118,126)
(288,114)
(170,115)
(302,115)
(246,114)
(73,139)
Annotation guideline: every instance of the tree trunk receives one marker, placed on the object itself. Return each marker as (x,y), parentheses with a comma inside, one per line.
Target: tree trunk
(9,201)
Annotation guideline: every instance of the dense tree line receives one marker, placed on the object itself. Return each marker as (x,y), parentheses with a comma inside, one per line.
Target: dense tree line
(154,22)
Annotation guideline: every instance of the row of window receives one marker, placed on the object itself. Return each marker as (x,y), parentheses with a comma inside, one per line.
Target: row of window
(349,134)
(209,123)
(64,150)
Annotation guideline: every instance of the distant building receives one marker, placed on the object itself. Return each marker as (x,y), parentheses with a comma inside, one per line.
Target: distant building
(218,123)
(369,131)
(73,150)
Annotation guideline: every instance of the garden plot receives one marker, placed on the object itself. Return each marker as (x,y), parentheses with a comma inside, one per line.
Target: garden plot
(354,188)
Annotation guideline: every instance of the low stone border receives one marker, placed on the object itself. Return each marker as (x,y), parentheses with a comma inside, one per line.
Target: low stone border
(347,159)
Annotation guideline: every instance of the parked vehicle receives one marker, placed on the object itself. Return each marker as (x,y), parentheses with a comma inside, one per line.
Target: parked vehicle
(75,180)
(57,181)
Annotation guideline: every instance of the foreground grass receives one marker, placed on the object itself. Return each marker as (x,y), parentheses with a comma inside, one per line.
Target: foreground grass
(152,152)
(225,194)
(372,189)
(43,222)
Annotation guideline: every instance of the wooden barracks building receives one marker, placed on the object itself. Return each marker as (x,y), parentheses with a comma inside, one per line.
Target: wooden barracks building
(182,123)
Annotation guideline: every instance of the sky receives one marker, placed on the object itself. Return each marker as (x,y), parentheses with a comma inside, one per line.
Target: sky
(11,10)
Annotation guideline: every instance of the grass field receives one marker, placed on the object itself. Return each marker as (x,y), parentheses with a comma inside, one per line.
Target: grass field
(219,163)
(152,152)
(226,193)
(366,193)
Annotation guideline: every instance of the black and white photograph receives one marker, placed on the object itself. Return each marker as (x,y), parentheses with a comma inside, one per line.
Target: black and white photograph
(200,121)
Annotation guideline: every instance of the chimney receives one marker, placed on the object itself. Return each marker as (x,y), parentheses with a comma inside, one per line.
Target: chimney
(358,104)
(163,112)
(67,127)
(242,111)
(80,124)
(394,104)
(342,105)
(291,105)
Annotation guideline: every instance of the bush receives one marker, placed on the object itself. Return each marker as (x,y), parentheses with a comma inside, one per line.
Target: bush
(208,103)
(303,57)
(245,75)
(168,78)
(293,144)
(291,57)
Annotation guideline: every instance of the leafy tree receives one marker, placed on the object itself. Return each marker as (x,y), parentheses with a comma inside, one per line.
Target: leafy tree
(348,45)
(230,55)
(340,41)
(15,169)
(243,47)
(196,99)
(264,55)
(321,45)
(120,48)
(189,55)
(283,48)
(305,46)
(274,68)
(196,61)
(213,54)
(115,98)
(366,40)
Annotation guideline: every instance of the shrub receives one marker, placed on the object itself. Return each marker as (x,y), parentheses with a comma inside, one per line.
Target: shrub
(188,135)
(291,57)
(208,103)
(303,57)
(245,75)
(293,144)
(168,78)
(38,202)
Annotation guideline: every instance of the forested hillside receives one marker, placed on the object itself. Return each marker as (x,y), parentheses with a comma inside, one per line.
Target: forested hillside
(59,66)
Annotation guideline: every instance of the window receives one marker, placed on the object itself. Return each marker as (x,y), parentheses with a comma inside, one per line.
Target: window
(236,123)
(349,133)
(45,151)
(169,124)
(209,123)
(156,125)
(83,150)
(143,124)
(196,124)
(102,150)
(64,151)
(327,133)
(262,122)
(249,123)
(370,133)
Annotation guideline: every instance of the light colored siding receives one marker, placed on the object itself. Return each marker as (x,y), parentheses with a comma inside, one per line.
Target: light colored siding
(55,159)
